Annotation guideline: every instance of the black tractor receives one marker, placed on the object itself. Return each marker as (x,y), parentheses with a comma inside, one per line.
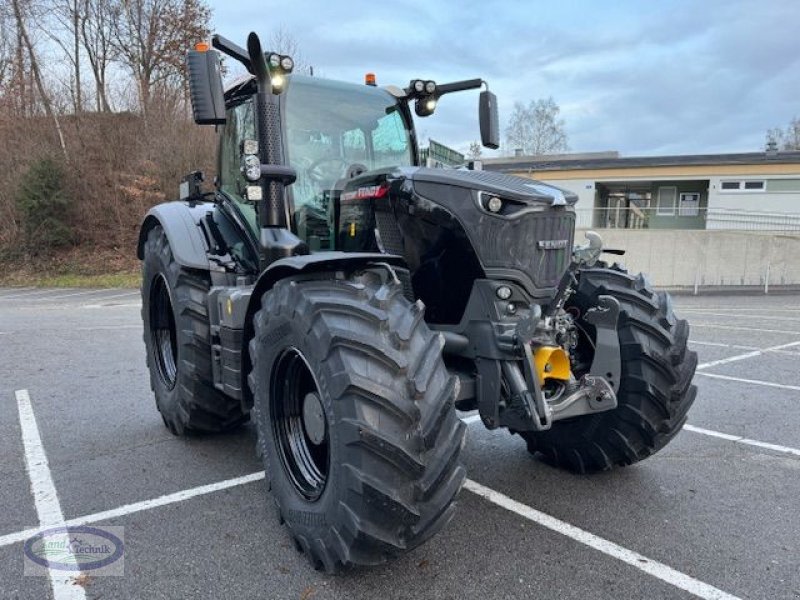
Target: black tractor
(352,301)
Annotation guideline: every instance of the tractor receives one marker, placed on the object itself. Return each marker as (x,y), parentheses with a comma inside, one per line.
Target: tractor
(352,302)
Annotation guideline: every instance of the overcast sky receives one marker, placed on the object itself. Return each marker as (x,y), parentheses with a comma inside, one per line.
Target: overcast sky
(643,78)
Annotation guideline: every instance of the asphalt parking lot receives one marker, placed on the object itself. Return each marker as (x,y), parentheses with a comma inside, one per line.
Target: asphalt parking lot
(714,515)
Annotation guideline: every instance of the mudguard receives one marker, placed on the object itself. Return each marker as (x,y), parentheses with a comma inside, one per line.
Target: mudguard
(319,261)
(179,220)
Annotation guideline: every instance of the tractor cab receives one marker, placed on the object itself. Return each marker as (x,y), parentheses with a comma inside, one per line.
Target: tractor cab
(333,132)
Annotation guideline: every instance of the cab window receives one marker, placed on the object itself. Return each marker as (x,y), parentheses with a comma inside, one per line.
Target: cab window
(240,125)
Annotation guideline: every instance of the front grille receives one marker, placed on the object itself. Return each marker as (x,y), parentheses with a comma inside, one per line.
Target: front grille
(513,244)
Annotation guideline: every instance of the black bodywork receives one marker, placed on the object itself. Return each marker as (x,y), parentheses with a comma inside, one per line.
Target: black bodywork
(436,220)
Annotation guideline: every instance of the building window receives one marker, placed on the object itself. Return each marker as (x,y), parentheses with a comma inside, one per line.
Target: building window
(665,202)
(742,185)
(689,205)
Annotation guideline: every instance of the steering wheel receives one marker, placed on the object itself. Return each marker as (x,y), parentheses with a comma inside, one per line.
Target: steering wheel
(319,175)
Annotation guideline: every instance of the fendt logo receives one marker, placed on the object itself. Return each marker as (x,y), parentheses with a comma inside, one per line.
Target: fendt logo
(366,193)
(552,244)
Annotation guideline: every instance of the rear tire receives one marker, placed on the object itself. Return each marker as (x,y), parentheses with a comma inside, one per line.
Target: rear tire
(655,390)
(178,341)
(383,477)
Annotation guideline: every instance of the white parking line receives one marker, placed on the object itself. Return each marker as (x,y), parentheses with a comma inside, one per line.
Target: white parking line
(738,309)
(639,561)
(48,508)
(757,317)
(721,345)
(742,440)
(736,328)
(80,293)
(128,294)
(738,357)
(127,509)
(33,293)
(781,386)
(106,327)
(609,548)
(121,305)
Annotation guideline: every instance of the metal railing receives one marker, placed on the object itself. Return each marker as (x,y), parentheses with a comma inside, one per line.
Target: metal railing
(635,217)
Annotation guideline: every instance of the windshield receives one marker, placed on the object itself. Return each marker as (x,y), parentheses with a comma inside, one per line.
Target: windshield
(335,130)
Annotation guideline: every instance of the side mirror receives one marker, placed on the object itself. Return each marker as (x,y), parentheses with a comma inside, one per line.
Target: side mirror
(489,120)
(205,87)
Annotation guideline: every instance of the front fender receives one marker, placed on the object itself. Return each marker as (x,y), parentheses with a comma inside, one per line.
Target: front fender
(179,220)
(299,265)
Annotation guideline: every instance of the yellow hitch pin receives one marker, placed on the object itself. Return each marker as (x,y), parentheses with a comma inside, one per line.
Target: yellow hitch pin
(352,230)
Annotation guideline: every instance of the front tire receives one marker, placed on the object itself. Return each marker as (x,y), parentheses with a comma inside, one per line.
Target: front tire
(655,391)
(356,419)
(178,341)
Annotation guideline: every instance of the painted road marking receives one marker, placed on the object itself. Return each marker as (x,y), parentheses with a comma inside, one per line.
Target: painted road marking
(781,386)
(757,317)
(33,292)
(45,497)
(127,509)
(609,548)
(81,293)
(106,327)
(742,440)
(639,561)
(739,309)
(710,432)
(738,357)
(721,345)
(736,328)
(120,305)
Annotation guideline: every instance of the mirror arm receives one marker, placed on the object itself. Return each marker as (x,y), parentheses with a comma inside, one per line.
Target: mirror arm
(233,50)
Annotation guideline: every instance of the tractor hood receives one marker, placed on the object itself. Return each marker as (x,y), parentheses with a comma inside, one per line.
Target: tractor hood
(519,189)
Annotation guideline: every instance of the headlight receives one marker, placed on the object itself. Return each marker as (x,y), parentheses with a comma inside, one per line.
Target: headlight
(419,86)
(274,61)
(430,87)
(503,292)
(287,64)
(494,204)
(251,166)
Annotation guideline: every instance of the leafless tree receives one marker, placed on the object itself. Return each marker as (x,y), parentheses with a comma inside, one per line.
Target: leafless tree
(536,128)
(283,42)
(474,151)
(19,18)
(785,139)
(151,38)
(6,48)
(62,21)
(96,37)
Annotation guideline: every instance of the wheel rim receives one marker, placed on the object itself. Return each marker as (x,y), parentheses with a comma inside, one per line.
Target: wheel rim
(299,425)
(162,332)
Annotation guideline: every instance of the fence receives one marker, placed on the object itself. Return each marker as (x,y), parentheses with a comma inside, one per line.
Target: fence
(634,217)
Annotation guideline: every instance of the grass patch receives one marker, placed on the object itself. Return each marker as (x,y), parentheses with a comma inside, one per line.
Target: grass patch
(77,268)
(69,280)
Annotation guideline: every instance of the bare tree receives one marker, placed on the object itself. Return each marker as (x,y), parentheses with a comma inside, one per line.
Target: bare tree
(96,36)
(62,23)
(475,150)
(536,128)
(6,48)
(785,139)
(37,74)
(283,42)
(151,38)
